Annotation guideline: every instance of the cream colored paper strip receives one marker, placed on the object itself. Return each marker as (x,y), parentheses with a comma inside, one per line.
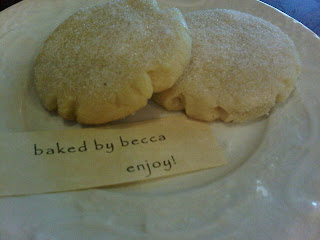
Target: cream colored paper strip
(52,161)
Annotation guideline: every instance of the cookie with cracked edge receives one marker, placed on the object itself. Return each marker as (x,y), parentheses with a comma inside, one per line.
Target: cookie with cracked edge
(103,63)
(240,67)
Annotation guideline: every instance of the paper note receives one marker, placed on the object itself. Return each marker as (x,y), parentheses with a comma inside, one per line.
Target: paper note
(53,161)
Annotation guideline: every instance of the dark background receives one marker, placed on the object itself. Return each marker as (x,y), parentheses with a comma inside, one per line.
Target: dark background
(305,11)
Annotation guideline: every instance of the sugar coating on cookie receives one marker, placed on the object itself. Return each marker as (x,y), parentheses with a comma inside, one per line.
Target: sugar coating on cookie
(240,67)
(103,63)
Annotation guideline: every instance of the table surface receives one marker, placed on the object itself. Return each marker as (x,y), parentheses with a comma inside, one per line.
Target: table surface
(305,11)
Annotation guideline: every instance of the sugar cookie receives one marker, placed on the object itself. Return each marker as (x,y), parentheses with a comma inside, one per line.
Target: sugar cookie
(240,67)
(103,63)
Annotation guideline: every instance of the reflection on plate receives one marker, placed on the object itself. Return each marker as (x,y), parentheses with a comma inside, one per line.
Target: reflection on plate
(269,189)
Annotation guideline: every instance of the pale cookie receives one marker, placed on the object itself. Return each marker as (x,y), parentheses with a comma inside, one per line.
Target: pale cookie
(103,63)
(240,67)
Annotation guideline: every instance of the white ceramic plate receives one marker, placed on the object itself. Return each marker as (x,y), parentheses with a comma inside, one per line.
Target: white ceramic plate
(269,190)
